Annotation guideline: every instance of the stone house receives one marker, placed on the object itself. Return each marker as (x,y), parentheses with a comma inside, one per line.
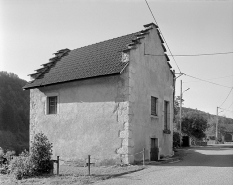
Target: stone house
(108,100)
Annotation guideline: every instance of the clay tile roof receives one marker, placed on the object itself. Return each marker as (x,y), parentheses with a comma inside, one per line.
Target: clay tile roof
(99,59)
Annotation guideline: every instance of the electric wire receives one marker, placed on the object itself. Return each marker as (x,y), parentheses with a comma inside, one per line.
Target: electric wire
(210,79)
(225,109)
(162,35)
(230,105)
(226,97)
(196,55)
(207,81)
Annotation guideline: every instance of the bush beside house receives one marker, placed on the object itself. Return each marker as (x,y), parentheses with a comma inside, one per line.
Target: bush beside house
(37,162)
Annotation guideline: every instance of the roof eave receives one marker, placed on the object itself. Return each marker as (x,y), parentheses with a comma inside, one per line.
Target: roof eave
(45,85)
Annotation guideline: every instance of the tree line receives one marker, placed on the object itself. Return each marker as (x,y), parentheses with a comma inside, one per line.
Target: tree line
(14,113)
(199,124)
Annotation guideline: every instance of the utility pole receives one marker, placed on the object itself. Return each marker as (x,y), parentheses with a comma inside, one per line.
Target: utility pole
(181,97)
(216,133)
(180,112)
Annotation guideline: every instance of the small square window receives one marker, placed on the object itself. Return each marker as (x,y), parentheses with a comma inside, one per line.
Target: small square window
(52,105)
(154,106)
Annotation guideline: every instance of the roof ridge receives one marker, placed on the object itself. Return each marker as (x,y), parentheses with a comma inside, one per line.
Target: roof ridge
(106,40)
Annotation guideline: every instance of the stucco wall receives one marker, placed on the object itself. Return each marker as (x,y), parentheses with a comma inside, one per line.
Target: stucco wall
(149,76)
(90,119)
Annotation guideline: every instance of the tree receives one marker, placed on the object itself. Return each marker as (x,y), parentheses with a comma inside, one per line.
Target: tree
(224,124)
(176,106)
(194,124)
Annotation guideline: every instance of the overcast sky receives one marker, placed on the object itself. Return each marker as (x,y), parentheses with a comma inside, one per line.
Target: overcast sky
(32,30)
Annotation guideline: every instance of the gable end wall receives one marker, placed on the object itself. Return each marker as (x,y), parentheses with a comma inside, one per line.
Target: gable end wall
(149,76)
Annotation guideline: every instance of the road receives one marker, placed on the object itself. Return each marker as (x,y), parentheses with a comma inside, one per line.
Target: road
(211,165)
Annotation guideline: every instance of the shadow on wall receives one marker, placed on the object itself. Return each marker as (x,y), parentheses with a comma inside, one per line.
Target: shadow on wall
(102,89)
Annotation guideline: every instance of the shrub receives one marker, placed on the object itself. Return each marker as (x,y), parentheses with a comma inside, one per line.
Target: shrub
(37,162)
(41,152)
(212,137)
(9,155)
(5,158)
(4,169)
(21,166)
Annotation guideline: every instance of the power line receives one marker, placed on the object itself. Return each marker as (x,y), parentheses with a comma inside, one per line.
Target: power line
(226,97)
(207,81)
(225,109)
(151,12)
(162,36)
(204,54)
(211,78)
(230,105)
(196,55)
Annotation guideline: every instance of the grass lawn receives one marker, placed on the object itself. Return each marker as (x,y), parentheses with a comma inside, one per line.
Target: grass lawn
(74,175)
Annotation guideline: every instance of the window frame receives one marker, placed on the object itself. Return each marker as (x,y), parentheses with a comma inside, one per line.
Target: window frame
(154,101)
(47,103)
(167,112)
(52,104)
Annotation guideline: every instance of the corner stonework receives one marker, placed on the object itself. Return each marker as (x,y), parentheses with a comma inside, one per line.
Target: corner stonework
(126,149)
(124,118)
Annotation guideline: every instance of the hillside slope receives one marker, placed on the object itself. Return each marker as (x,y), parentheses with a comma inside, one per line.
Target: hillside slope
(224,124)
(14,113)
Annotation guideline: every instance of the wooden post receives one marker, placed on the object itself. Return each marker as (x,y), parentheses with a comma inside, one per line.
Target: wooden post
(143,155)
(89,165)
(57,165)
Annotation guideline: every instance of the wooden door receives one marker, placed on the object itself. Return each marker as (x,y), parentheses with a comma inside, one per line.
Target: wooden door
(154,151)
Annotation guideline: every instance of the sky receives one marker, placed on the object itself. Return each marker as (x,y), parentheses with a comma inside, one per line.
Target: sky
(32,30)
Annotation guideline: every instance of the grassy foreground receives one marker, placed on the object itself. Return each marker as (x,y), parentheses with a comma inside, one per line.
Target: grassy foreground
(74,175)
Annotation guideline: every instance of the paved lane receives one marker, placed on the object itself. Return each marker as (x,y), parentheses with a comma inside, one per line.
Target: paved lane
(211,165)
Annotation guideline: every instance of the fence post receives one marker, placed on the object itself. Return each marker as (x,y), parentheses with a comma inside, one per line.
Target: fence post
(143,157)
(89,165)
(57,165)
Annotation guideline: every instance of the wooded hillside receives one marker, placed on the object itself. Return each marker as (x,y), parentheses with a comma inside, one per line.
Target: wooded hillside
(14,113)
(224,124)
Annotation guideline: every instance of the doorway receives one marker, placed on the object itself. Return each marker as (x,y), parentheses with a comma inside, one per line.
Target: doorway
(185,141)
(154,151)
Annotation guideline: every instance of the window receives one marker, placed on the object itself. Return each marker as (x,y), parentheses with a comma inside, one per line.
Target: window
(52,105)
(166,115)
(154,106)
